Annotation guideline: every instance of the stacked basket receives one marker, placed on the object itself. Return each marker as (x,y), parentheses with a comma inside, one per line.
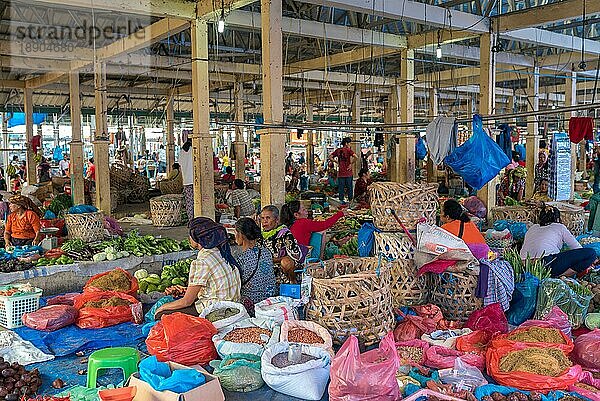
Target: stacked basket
(168,211)
(88,227)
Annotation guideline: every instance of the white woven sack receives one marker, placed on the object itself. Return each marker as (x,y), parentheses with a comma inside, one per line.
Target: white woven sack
(278,309)
(307,381)
(225,348)
(221,324)
(321,331)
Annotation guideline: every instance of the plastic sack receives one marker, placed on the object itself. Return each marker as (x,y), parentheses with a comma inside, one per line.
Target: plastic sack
(489,389)
(420,149)
(367,376)
(314,327)
(445,338)
(424,345)
(475,206)
(588,379)
(133,289)
(503,341)
(307,381)
(434,243)
(462,376)
(413,327)
(586,350)
(429,311)
(225,348)
(559,292)
(556,318)
(220,324)
(475,342)
(366,239)
(161,378)
(96,318)
(491,318)
(437,357)
(524,299)
(183,339)
(51,318)
(525,380)
(149,316)
(277,309)
(239,372)
(421,376)
(479,159)
(64,299)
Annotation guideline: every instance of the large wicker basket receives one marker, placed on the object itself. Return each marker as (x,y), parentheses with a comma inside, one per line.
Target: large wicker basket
(351,296)
(410,201)
(454,293)
(88,227)
(394,246)
(528,213)
(220,193)
(168,211)
(120,175)
(140,187)
(573,217)
(408,289)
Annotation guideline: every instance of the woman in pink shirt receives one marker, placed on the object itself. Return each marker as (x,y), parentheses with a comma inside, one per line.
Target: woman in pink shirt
(295,216)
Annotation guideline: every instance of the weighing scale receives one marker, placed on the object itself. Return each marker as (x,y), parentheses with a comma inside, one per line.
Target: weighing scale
(49,241)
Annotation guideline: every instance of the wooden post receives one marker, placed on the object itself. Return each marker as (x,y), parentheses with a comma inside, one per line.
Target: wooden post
(239,145)
(204,185)
(101,142)
(356,135)
(272,141)
(487,98)
(29,157)
(532,139)
(5,144)
(310,147)
(170,114)
(407,94)
(77,162)
(433,113)
(571,100)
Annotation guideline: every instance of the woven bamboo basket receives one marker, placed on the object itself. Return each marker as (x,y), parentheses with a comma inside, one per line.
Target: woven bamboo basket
(394,246)
(168,211)
(220,193)
(140,187)
(351,296)
(573,217)
(410,201)
(120,175)
(516,213)
(408,289)
(88,227)
(454,293)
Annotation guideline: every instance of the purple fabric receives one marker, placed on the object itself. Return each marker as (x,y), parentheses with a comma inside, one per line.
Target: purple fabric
(480,251)
(482,282)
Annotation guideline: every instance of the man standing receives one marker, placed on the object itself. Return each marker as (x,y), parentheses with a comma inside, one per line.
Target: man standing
(63,165)
(345,157)
(162,159)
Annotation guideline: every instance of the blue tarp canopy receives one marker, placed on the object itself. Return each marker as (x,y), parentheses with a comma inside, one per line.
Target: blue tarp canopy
(17,119)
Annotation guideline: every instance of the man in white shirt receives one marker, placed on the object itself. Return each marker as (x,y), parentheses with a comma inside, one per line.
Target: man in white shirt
(63,165)
(162,159)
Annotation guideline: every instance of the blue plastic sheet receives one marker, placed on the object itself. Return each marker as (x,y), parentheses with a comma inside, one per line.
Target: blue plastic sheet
(72,339)
(160,377)
(17,119)
(421,149)
(366,239)
(488,389)
(149,316)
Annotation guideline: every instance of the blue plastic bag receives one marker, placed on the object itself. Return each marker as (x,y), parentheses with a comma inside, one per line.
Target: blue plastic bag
(523,303)
(366,238)
(49,215)
(479,159)
(421,149)
(149,316)
(160,377)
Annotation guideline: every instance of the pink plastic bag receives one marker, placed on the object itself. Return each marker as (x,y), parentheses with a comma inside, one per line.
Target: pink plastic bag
(64,299)
(437,357)
(370,376)
(51,318)
(556,319)
(491,318)
(587,351)
(587,378)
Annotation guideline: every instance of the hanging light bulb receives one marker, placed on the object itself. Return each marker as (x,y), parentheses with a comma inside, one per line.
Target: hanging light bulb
(438,52)
(221,25)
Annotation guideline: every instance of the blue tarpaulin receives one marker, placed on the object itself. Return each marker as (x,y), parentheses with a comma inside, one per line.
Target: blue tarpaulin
(17,119)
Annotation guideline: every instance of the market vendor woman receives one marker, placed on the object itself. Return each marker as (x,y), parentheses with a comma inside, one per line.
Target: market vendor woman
(23,222)
(457,222)
(214,275)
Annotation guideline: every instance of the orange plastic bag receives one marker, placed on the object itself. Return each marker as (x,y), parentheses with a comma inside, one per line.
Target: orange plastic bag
(475,342)
(503,341)
(525,380)
(96,318)
(183,339)
(413,327)
(132,290)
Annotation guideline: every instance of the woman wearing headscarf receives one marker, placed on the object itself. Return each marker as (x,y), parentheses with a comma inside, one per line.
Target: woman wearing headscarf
(214,275)
(23,222)
(542,170)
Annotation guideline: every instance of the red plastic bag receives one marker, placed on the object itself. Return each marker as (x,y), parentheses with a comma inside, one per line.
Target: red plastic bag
(503,341)
(370,376)
(96,318)
(556,318)
(51,318)
(413,327)
(132,290)
(491,318)
(525,380)
(183,339)
(437,357)
(430,311)
(475,342)
(64,299)
(586,350)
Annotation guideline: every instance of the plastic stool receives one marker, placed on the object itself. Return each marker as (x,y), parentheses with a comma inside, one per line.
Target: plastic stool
(123,358)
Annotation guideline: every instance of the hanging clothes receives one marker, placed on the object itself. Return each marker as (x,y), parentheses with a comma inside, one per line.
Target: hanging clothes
(504,139)
(36,143)
(581,128)
(441,137)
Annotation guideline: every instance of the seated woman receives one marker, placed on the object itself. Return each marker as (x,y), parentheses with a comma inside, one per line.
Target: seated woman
(23,223)
(295,216)
(256,264)
(214,275)
(541,194)
(546,239)
(361,193)
(457,222)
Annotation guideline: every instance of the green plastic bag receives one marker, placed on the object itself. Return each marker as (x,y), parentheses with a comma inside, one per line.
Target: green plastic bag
(570,296)
(239,372)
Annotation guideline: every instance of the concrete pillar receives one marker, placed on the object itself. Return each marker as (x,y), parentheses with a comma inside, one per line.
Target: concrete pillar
(76,164)
(170,114)
(310,147)
(532,140)
(272,141)
(356,135)
(407,94)
(204,186)
(29,157)
(5,144)
(101,142)
(239,145)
